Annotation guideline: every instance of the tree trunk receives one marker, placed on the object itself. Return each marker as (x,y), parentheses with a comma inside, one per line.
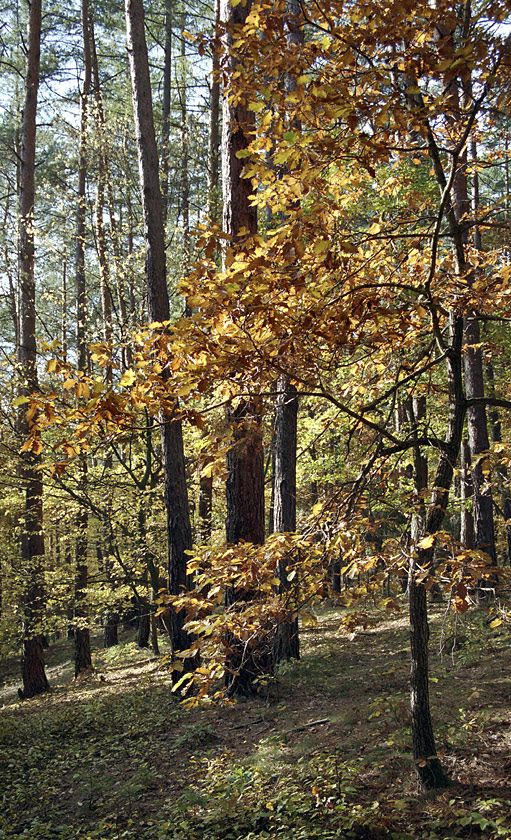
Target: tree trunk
(214,133)
(467,491)
(502,471)
(165,112)
(32,540)
(185,181)
(287,644)
(206,481)
(245,480)
(83,658)
(179,530)
(484,533)
(428,766)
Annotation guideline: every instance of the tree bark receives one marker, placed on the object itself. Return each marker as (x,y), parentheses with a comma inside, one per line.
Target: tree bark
(179,530)
(83,658)
(287,645)
(428,766)
(165,115)
(467,490)
(32,540)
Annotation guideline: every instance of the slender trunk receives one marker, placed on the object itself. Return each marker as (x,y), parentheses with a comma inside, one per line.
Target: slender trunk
(206,480)
(502,470)
(185,183)
(83,658)
(165,115)
(32,540)
(287,644)
(179,530)
(428,766)
(111,620)
(63,317)
(467,492)
(205,498)
(102,177)
(214,133)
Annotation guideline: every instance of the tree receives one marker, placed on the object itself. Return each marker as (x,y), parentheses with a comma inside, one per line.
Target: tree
(179,533)
(284,502)
(32,540)
(83,658)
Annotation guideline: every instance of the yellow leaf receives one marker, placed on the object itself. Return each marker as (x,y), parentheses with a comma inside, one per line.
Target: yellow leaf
(20,401)
(52,364)
(426,542)
(321,246)
(127,378)
(69,383)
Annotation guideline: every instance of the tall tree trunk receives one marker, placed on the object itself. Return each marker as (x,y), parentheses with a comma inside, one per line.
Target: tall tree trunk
(206,480)
(467,490)
(32,540)
(245,460)
(165,113)
(428,766)
(185,182)
(83,658)
(502,470)
(284,503)
(484,533)
(101,185)
(179,530)
(214,114)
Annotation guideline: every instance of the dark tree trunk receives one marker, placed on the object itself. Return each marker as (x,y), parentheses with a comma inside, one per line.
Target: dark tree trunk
(83,658)
(205,500)
(165,109)
(206,481)
(32,540)
(245,480)
(287,645)
(484,534)
(111,630)
(245,522)
(179,530)
(428,766)
(144,624)
(214,132)
(467,520)
(502,471)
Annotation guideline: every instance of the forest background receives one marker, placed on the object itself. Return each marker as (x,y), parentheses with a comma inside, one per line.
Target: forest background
(255,273)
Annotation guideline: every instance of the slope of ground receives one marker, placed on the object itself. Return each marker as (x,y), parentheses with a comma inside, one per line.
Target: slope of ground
(326,753)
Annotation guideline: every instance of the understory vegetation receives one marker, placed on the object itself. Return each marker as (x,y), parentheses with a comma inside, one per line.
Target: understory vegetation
(324,753)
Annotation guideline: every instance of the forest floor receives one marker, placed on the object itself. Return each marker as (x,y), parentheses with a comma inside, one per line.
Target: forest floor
(326,754)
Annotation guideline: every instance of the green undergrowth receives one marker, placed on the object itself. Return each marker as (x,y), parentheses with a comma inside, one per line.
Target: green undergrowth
(325,754)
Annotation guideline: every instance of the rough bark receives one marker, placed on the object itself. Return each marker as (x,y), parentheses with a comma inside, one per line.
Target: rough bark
(214,132)
(179,531)
(428,766)
(245,481)
(32,540)
(287,644)
(502,471)
(466,488)
(245,522)
(83,658)
(165,112)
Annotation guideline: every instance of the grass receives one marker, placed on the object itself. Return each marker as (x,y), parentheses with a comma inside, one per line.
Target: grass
(325,754)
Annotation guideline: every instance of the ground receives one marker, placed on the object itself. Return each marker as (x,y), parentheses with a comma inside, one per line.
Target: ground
(324,753)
